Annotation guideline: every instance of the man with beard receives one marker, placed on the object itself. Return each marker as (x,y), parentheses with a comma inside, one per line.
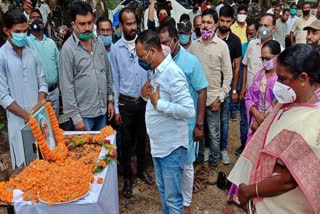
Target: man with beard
(214,56)
(234,45)
(128,79)
(281,28)
(313,35)
(196,34)
(84,76)
(302,22)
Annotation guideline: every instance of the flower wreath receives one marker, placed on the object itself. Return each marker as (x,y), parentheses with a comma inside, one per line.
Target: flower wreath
(60,152)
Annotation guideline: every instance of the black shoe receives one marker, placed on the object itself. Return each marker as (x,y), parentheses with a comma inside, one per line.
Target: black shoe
(145,177)
(127,188)
(239,150)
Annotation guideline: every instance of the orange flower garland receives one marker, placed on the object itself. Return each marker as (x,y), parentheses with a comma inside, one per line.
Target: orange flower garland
(61,151)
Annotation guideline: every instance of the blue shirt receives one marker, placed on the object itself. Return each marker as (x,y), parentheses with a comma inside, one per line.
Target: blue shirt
(49,56)
(127,75)
(197,81)
(167,125)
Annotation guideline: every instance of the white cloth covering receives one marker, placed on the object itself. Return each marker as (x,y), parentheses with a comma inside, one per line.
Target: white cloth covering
(102,198)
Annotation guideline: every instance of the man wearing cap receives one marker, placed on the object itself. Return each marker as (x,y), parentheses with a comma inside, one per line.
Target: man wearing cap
(185,32)
(313,36)
(49,56)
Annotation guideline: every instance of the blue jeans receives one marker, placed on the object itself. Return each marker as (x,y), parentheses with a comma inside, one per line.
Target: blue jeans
(243,123)
(95,123)
(225,123)
(213,120)
(168,172)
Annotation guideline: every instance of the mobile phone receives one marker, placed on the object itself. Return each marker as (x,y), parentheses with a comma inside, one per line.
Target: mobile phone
(251,207)
(34,3)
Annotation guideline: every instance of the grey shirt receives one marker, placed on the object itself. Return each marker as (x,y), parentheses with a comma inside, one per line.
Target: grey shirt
(85,79)
(281,32)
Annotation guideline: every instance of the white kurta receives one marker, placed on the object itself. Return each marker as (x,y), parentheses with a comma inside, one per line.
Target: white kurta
(21,80)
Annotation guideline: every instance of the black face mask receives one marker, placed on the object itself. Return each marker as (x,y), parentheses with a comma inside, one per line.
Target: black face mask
(306,12)
(223,30)
(198,31)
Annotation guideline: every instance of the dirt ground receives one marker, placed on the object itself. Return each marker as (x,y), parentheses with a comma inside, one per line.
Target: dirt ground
(146,199)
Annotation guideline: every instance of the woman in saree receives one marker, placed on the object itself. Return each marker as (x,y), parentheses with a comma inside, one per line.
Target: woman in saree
(279,169)
(259,96)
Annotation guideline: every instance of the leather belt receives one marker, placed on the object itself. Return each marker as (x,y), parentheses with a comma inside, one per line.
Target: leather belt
(130,99)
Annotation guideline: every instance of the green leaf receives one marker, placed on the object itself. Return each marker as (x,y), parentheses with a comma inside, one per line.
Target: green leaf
(2,125)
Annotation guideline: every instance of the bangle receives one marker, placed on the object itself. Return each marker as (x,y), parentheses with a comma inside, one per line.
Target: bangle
(257,190)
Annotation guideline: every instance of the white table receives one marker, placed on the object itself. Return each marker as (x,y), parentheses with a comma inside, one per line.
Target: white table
(102,198)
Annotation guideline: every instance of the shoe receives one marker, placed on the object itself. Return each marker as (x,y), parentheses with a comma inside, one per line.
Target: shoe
(225,157)
(239,150)
(213,177)
(146,178)
(127,188)
(233,117)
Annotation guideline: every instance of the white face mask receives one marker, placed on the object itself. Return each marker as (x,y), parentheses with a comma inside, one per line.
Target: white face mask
(284,94)
(241,17)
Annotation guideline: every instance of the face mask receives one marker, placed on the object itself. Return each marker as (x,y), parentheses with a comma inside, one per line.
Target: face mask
(84,37)
(184,39)
(118,32)
(162,17)
(197,30)
(251,39)
(264,32)
(166,49)
(106,40)
(144,64)
(283,93)
(241,17)
(306,12)
(268,64)
(293,11)
(19,39)
(206,34)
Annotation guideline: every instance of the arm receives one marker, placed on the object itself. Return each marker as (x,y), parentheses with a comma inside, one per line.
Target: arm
(198,130)
(244,82)
(110,99)
(273,186)
(115,78)
(69,101)
(293,29)
(151,11)
(292,38)
(227,73)
(41,79)
(236,73)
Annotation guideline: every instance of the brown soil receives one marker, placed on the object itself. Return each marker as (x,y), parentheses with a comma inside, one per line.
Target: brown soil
(146,199)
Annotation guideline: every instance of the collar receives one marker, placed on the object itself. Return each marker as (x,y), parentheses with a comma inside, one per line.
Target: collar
(9,47)
(163,64)
(237,25)
(214,39)
(181,49)
(124,42)
(227,38)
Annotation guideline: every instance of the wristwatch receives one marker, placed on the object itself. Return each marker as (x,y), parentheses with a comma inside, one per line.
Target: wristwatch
(234,91)
(199,126)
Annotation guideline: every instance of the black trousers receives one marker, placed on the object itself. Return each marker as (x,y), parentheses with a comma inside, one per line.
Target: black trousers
(133,134)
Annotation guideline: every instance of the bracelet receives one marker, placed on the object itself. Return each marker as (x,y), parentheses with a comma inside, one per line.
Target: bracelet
(257,190)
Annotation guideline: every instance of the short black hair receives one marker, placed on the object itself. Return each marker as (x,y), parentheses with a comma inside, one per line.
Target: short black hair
(272,16)
(149,39)
(301,58)
(242,7)
(184,16)
(275,47)
(79,8)
(163,8)
(194,19)
(211,12)
(253,22)
(125,10)
(37,11)
(285,10)
(169,24)
(13,17)
(103,19)
(226,11)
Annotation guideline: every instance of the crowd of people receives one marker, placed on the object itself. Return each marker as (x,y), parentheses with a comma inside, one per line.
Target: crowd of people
(180,82)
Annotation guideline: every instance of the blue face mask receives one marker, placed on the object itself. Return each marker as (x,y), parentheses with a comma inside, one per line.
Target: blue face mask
(184,38)
(19,39)
(106,40)
(144,64)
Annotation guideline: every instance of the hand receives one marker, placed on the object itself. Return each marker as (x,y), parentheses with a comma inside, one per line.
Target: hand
(254,126)
(80,126)
(27,6)
(243,196)
(260,117)
(216,105)
(155,96)
(243,92)
(110,111)
(197,134)
(235,98)
(118,120)
(146,89)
